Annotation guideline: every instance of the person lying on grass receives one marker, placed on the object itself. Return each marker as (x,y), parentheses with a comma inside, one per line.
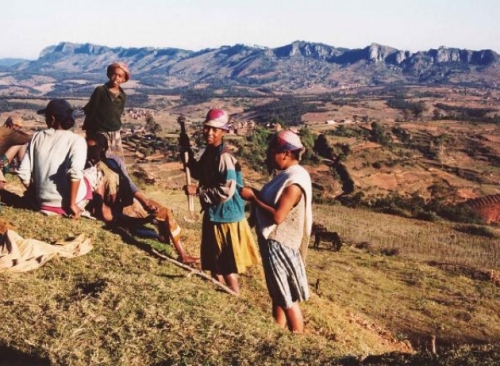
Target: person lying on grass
(113,191)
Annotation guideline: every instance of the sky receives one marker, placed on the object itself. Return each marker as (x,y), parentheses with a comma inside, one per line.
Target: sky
(29,26)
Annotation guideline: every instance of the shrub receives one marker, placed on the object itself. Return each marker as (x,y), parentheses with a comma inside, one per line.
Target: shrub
(416,207)
(426,216)
(476,230)
(389,252)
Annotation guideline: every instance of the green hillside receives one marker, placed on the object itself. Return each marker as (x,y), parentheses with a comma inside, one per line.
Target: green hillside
(394,284)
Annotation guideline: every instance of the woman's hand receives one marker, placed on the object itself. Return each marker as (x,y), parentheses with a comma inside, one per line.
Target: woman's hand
(74,212)
(150,207)
(191,189)
(247,193)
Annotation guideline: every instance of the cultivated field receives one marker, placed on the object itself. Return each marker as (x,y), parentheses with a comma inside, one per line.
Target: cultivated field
(396,284)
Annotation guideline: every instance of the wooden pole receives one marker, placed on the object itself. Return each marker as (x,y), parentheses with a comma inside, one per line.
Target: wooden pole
(192,216)
(433,344)
(195,272)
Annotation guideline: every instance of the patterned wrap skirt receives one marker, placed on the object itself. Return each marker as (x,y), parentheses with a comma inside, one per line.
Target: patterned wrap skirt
(227,247)
(285,273)
(115,143)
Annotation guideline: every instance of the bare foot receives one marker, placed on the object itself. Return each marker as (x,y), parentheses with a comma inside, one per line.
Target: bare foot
(187,259)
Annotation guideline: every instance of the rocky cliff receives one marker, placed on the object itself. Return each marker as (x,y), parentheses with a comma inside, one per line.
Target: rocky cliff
(296,66)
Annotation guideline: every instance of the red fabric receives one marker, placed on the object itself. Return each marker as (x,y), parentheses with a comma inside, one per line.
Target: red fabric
(60,210)
(216,114)
(217,118)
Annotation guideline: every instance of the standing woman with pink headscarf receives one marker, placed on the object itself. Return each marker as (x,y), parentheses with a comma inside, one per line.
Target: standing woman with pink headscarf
(227,244)
(284,220)
(106,105)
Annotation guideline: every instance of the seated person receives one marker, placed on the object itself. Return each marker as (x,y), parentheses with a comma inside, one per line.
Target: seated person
(114,191)
(15,154)
(13,142)
(52,168)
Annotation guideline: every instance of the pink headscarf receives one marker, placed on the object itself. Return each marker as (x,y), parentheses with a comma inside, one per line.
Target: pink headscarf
(118,65)
(286,140)
(217,118)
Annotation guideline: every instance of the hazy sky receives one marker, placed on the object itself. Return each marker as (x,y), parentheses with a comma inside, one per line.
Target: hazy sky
(28,26)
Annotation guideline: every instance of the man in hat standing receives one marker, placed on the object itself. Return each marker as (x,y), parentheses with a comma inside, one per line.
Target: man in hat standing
(52,168)
(106,105)
(227,245)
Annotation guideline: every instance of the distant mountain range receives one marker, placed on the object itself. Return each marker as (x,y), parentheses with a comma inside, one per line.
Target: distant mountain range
(10,61)
(299,66)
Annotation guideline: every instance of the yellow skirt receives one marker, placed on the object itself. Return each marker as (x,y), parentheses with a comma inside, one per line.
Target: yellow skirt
(227,247)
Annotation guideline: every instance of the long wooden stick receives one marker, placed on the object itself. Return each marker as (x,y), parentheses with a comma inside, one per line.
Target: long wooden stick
(195,271)
(192,217)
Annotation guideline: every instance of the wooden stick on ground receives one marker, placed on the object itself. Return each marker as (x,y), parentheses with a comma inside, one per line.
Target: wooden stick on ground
(195,271)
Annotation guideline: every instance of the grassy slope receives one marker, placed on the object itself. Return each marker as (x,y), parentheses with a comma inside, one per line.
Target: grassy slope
(120,305)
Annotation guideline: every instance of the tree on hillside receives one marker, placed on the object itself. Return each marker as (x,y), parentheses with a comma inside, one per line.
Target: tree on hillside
(379,135)
(254,150)
(417,109)
(322,148)
(407,108)
(151,125)
(307,138)
(436,113)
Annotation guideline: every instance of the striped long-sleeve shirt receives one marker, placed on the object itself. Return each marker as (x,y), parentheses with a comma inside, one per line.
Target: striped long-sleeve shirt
(219,174)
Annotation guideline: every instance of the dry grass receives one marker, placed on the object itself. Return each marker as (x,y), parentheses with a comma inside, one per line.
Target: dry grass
(120,305)
(414,239)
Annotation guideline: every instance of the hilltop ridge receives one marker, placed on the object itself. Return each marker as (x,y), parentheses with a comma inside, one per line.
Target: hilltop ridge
(297,67)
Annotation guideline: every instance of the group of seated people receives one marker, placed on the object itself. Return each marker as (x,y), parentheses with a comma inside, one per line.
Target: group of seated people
(67,174)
